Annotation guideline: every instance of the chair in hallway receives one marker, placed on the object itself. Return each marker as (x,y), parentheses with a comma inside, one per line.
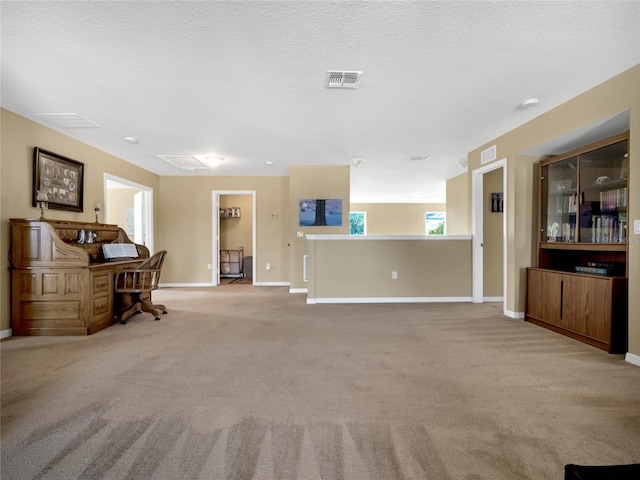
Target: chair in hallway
(139,284)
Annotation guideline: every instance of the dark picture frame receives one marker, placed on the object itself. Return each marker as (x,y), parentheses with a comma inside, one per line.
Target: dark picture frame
(496,202)
(61,178)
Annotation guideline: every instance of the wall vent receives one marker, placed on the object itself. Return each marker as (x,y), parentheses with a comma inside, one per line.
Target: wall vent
(488,155)
(305,268)
(341,79)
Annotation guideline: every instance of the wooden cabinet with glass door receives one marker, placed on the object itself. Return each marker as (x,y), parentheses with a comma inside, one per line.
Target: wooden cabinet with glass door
(583,231)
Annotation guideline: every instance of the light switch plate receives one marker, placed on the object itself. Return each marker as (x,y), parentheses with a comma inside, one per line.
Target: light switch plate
(636,227)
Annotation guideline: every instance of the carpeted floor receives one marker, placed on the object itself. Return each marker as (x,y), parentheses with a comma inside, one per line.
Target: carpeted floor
(242,382)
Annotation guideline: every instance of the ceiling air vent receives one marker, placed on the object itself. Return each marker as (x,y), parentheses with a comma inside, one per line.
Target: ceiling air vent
(184,162)
(340,79)
(488,155)
(68,120)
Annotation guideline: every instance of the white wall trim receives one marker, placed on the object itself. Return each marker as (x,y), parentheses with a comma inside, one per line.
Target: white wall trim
(149,213)
(518,315)
(272,284)
(6,333)
(298,290)
(477,215)
(493,299)
(387,237)
(391,300)
(632,359)
(184,285)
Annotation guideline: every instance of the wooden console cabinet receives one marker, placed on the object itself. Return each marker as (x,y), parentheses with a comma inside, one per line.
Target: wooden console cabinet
(60,284)
(580,286)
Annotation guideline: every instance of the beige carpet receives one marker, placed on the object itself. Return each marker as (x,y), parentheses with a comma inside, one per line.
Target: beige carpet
(243,382)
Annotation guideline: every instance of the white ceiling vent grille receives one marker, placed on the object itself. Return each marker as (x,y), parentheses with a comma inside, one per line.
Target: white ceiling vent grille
(488,155)
(68,120)
(184,162)
(340,79)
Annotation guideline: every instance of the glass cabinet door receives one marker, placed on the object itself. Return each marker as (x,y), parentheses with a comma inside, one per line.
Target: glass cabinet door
(603,194)
(559,201)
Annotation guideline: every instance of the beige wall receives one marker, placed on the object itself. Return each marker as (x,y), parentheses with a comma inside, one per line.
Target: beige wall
(310,181)
(237,232)
(361,268)
(492,239)
(185,226)
(616,95)
(397,218)
(118,200)
(458,218)
(19,137)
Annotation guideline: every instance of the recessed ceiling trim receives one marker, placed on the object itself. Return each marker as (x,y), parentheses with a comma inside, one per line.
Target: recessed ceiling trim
(68,120)
(184,162)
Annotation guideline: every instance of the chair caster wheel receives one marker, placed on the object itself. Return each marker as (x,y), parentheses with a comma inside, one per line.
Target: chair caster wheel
(165,312)
(123,322)
(157,318)
(138,312)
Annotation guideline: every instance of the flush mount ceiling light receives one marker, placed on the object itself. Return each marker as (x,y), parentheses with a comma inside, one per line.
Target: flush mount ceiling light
(358,161)
(213,161)
(423,158)
(463,162)
(269,163)
(131,140)
(68,120)
(342,79)
(529,103)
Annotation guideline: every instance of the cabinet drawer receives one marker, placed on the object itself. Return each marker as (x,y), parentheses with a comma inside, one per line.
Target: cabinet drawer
(101,306)
(101,282)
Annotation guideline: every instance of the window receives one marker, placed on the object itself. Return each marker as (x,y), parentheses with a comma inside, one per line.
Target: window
(434,223)
(358,223)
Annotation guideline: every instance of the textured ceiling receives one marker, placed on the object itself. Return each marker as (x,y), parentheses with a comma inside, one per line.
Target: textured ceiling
(245,79)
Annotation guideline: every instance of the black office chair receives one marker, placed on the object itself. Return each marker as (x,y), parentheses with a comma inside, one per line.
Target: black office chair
(139,284)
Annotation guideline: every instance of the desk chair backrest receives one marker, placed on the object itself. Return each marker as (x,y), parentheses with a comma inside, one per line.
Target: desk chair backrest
(144,278)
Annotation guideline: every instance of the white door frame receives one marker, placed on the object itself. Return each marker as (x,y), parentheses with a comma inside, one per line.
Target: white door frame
(215,221)
(477,220)
(147,206)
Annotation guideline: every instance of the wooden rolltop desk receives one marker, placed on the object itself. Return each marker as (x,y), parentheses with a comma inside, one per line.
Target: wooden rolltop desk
(61,283)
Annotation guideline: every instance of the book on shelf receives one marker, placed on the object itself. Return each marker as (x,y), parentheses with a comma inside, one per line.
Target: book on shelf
(594,270)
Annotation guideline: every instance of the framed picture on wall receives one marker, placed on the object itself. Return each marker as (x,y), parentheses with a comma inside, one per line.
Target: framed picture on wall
(61,178)
(496,202)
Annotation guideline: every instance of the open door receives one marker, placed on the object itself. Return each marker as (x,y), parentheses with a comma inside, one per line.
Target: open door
(219,238)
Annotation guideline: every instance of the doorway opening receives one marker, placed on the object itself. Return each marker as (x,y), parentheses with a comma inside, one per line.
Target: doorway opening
(130,206)
(478,227)
(234,236)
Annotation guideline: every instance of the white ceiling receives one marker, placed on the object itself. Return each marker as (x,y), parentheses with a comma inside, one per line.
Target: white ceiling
(245,79)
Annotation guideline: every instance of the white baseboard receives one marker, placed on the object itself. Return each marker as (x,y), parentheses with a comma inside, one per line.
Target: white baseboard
(632,359)
(170,285)
(298,290)
(6,333)
(272,284)
(511,314)
(493,299)
(391,300)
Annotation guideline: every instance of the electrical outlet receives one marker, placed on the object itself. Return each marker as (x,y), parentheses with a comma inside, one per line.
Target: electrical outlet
(209,266)
(636,227)
(268,266)
(394,275)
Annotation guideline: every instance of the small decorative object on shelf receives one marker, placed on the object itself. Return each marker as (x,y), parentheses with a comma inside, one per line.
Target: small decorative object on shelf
(43,199)
(96,208)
